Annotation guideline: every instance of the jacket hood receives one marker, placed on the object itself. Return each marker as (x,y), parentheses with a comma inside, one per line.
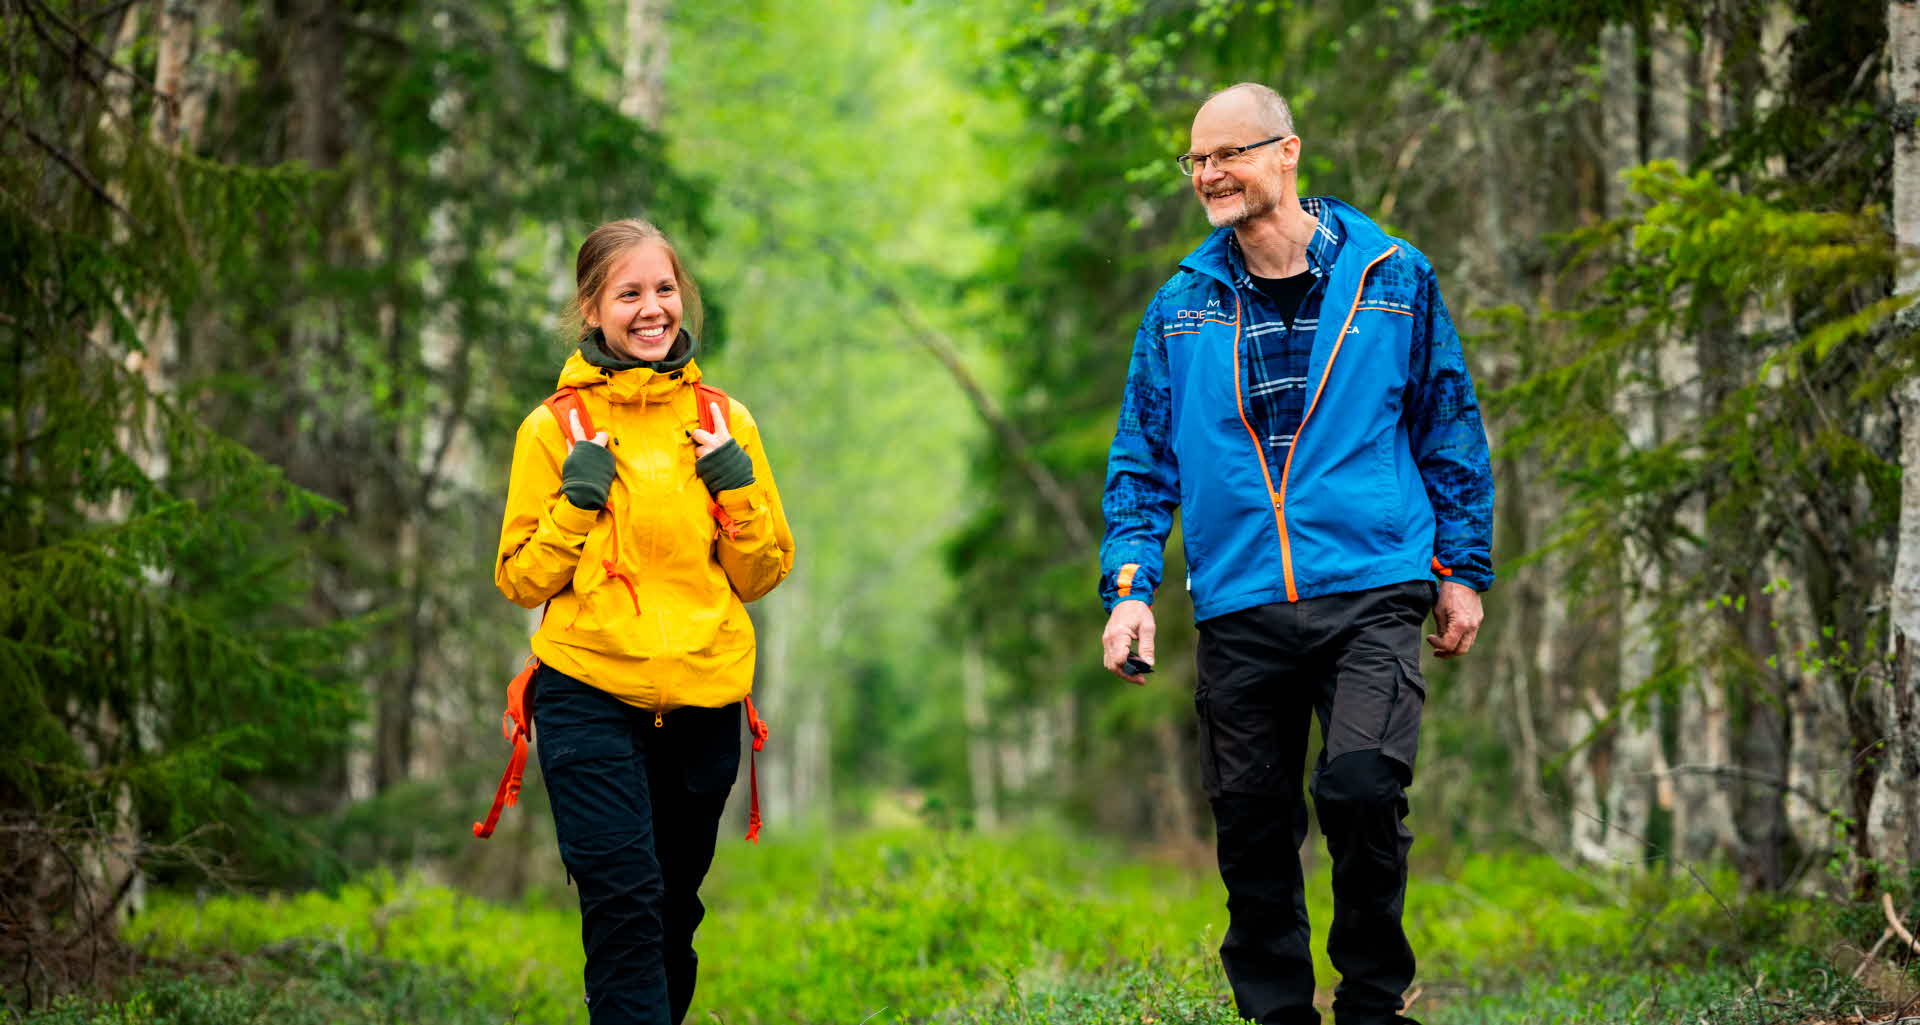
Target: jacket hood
(1361,239)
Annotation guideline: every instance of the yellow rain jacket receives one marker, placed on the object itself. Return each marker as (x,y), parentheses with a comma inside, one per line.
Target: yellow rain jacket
(647,592)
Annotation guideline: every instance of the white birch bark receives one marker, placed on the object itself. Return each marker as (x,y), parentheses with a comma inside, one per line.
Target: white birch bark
(1636,739)
(1587,824)
(1894,828)
(1703,821)
(114,865)
(980,745)
(643,68)
(1684,71)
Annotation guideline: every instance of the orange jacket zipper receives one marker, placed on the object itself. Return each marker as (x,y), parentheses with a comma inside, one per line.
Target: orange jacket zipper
(1279,498)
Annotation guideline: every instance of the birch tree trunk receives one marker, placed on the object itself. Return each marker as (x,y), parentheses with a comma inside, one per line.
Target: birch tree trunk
(118,875)
(643,69)
(1895,828)
(1681,84)
(1636,737)
(980,744)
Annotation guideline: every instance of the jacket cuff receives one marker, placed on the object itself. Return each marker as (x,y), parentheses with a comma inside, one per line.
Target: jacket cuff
(1467,569)
(725,468)
(571,519)
(741,502)
(1130,582)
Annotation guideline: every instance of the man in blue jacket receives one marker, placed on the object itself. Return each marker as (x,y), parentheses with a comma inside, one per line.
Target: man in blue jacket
(1298,391)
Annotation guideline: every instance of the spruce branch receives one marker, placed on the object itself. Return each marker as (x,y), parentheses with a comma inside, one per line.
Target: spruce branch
(78,170)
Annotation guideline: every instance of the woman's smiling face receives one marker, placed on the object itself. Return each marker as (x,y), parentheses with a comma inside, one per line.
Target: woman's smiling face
(639,307)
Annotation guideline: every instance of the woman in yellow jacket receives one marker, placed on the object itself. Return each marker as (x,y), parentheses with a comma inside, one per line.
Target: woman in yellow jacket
(646,651)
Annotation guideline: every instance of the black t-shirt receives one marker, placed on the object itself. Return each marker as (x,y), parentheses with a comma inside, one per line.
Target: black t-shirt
(1285,293)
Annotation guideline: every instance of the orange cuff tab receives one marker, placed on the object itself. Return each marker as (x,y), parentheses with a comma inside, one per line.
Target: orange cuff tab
(1124,582)
(1442,570)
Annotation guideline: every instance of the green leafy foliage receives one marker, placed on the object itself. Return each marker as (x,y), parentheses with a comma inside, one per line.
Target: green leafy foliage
(302,983)
(1041,927)
(154,646)
(847,167)
(252,377)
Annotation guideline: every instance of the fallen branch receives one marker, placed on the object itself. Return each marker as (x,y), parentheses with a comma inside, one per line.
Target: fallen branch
(943,349)
(1885,935)
(1742,775)
(1894,923)
(1019,448)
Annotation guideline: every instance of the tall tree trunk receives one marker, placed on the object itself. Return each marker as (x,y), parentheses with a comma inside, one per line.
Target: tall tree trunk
(1897,820)
(1636,738)
(980,745)
(1682,83)
(316,127)
(643,70)
(1586,771)
(1760,715)
(116,884)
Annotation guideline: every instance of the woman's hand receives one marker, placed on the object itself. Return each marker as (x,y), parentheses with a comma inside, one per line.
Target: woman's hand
(705,442)
(587,474)
(722,464)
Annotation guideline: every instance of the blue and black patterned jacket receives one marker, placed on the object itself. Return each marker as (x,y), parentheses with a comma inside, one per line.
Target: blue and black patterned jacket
(1387,479)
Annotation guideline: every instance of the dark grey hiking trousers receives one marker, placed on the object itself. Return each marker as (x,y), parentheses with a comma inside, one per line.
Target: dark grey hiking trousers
(637,808)
(1352,661)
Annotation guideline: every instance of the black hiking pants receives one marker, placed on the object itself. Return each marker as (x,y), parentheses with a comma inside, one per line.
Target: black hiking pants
(637,808)
(1352,661)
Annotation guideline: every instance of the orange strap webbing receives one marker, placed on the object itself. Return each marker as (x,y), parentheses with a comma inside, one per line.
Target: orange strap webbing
(516,723)
(758,728)
(709,396)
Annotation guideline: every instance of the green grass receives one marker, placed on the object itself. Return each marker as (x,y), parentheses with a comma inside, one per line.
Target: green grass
(1035,928)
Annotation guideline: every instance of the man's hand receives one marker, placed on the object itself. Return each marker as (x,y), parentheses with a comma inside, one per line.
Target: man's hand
(1456,616)
(1131,621)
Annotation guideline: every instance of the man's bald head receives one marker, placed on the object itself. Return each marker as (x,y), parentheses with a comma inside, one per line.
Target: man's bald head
(1252,125)
(1265,107)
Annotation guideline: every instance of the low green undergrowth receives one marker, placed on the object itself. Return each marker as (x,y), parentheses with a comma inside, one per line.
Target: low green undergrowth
(305,982)
(1036,928)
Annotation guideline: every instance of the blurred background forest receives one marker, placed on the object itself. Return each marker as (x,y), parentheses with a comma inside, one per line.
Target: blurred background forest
(280,279)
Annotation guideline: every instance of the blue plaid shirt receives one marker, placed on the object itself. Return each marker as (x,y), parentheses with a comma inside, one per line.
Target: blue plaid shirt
(1276,354)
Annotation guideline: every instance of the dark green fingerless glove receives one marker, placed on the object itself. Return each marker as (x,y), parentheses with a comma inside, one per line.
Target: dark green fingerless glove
(725,468)
(586,475)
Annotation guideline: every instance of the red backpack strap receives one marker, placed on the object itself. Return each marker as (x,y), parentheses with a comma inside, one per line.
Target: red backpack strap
(758,728)
(565,401)
(516,723)
(708,396)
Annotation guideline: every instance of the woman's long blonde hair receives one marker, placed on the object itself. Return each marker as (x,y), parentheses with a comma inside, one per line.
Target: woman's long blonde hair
(602,247)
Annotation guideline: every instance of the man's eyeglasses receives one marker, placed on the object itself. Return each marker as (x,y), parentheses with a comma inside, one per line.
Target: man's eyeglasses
(1191,163)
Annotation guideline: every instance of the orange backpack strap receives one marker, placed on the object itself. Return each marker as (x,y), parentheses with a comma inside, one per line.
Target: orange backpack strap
(708,396)
(516,723)
(565,401)
(758,728)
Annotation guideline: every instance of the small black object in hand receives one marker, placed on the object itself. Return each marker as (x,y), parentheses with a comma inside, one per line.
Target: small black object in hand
(1136,666)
